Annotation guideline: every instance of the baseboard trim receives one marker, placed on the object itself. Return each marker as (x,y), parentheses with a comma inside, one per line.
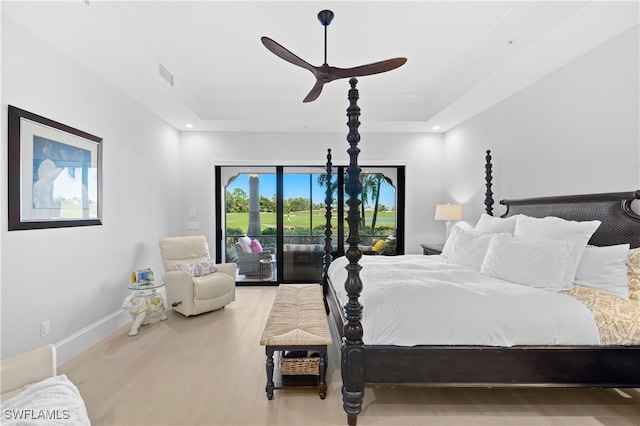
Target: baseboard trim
(79,341)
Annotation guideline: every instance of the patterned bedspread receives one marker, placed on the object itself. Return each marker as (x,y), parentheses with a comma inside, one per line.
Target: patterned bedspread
(634,274)
(618,320)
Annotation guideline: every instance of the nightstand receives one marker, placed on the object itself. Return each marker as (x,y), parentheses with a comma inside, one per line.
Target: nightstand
(429,249)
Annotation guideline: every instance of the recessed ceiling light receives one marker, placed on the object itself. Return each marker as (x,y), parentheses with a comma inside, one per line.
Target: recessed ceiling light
(188,125)
(436,127)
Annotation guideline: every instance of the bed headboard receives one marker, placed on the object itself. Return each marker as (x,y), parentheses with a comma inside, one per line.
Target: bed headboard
(620,224)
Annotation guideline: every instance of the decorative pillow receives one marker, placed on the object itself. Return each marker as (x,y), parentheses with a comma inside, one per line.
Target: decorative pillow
(605,268)
(634,273)
(256,247)
(555,228)
(535,263)
(495,225)
(467,248)
(245,244)
(198,268)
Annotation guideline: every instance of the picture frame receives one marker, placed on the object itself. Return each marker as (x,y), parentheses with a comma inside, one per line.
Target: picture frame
(144,276)
(55,174)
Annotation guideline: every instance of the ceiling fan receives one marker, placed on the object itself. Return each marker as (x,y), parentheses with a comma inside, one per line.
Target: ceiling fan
(325,73)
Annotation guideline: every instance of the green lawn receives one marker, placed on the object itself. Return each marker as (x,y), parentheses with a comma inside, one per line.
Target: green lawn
(301,220)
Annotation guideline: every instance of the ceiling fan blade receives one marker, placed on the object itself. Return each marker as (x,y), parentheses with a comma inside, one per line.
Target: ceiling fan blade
(285,54)
(325,73)
(374,68)
(315,92)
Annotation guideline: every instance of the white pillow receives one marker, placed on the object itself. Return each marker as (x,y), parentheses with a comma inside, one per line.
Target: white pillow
(496,225)
(555,228)
(451,243)
(467,248)
(605,268)
(535,263)
(245,244)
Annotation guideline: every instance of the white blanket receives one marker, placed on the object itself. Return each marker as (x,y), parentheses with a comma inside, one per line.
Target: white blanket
(422,300)
(54,401)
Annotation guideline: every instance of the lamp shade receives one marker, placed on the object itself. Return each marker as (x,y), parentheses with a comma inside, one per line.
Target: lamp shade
(448,212)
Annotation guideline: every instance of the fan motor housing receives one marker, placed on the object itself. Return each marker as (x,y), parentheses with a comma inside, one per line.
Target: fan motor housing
(325,17)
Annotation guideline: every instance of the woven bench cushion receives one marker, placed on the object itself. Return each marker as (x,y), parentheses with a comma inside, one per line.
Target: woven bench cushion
(297,318)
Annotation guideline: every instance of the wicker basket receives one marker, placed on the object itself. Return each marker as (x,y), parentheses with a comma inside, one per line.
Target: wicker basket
(300,364)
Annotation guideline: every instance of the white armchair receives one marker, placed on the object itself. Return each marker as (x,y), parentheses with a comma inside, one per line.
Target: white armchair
(193,295)
(30,383)
(21,371)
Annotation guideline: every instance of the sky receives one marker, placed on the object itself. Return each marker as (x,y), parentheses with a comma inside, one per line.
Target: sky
(297,185)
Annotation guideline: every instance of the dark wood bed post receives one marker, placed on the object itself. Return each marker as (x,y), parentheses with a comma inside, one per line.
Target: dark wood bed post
(326,258)
(352,346)
(488,199)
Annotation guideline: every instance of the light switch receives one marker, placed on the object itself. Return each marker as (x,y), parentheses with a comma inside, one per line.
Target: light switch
(193,213)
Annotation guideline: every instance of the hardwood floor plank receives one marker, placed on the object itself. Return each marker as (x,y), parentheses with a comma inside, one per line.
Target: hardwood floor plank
(210,370)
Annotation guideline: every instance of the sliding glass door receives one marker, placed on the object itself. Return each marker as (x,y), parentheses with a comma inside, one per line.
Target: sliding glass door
(249,225)
(303,194)
(271,220)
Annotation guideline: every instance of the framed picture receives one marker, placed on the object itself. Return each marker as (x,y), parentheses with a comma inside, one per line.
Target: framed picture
(144,276)
(55,174)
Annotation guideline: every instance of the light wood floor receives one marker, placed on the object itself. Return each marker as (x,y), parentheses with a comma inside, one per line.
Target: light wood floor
(209,370)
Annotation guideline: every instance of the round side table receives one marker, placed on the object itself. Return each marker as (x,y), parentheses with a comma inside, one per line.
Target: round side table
(266,265)
(144,288)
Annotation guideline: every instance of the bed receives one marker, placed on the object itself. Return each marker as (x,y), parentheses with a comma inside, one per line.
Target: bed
(583,363)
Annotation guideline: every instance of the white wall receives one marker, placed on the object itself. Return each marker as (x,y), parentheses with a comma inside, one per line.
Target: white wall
(576,131)
(422,155)
(77,277)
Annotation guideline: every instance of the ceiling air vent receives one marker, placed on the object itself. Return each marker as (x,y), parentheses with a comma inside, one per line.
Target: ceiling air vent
(164,73)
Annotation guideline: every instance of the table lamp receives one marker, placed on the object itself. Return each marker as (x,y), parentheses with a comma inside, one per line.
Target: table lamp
(448,212)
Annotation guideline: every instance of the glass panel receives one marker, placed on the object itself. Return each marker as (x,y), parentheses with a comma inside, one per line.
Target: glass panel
(304,193)
(250,222)
(293,238)
(378,210)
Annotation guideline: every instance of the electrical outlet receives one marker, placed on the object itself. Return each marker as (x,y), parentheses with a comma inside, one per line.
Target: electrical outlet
(45,328)
(192,226)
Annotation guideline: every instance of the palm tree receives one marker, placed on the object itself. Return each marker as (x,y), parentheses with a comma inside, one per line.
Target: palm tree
(368,186)
(254,207)
(372,183)
(378,181)
(322,181)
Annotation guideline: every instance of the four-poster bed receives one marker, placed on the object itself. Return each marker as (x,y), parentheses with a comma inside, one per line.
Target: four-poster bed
(474,365)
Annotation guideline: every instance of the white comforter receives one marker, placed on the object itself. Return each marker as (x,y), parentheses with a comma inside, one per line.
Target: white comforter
(422,300)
